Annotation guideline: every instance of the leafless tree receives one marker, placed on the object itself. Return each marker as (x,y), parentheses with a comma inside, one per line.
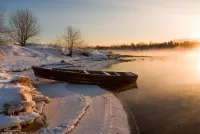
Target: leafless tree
(24,26)
(72,38)
(3,28)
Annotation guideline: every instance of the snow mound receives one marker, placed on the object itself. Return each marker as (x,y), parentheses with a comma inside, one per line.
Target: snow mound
(17,104)
(29,51)
(96,55)
(22,119)
(13,50)
(9,90)
(17,58)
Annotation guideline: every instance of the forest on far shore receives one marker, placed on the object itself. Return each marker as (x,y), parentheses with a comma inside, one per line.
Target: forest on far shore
(151,45)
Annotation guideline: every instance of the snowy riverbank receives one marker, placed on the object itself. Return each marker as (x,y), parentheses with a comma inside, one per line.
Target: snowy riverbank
(96,110)
(105,113)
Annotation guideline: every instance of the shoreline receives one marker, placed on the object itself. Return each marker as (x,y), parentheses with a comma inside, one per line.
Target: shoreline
(101,102)
(84,119)
(96,65)
(131,119)
(106,65)
(134,129)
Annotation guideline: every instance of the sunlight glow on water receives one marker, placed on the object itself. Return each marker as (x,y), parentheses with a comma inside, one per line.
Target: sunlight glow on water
(167,100)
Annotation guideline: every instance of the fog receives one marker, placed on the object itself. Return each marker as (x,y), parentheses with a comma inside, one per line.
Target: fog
(167,98)
(163,52)
(181,64)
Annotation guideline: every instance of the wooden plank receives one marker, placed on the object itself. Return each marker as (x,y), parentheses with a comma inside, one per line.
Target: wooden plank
(106,73)
(117,74)
(86,72)
(129,73)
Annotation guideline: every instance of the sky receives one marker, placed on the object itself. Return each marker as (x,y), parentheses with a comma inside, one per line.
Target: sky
(107,22)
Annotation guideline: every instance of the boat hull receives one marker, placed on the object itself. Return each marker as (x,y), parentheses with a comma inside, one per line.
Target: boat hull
(72,77)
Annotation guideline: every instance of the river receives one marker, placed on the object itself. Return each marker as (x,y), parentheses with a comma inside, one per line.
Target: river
(167,99)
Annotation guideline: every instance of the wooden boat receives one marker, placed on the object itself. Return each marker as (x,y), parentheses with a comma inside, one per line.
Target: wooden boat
(85,76)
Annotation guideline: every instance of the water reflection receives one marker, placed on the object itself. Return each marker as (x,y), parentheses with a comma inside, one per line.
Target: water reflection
(120,88)
(168,97)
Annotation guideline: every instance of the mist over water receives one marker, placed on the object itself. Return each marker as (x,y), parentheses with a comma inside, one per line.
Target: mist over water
(167,99)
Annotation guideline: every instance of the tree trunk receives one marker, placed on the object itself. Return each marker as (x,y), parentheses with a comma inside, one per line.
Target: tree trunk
(70,50)
(23,43)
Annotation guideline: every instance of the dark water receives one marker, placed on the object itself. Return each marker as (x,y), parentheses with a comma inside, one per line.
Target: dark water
(167,100)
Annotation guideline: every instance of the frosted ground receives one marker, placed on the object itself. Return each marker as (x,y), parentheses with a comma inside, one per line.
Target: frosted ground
(72,108)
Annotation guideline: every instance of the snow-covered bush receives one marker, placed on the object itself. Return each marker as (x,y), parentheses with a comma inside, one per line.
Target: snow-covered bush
(96,55)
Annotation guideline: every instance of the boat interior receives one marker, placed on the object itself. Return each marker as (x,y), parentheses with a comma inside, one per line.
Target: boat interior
(108,73)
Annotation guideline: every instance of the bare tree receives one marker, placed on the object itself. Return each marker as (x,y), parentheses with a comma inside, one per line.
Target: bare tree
(3,28)
(24,26)
(72,38)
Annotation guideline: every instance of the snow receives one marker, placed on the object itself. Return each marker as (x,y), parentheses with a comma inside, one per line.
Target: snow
(39,107)
(11,121)
(64,101)
(38,97)
(69,110)
(96,110)
(96,55)
(17,58)
(105,113)
(12,91)
(17,106)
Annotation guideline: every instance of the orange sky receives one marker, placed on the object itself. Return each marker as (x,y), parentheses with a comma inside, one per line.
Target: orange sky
(108,22)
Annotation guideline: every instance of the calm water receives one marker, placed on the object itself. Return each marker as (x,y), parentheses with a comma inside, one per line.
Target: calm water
(167,100)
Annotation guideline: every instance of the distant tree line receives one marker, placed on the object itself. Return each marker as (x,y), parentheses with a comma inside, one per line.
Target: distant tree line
(151,45)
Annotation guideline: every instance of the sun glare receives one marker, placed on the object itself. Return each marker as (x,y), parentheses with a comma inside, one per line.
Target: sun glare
(195,35)
(195,31)
(194,56)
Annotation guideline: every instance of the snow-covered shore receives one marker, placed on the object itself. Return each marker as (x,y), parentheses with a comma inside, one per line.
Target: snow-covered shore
(20,103)
(96,110)
(105,113)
